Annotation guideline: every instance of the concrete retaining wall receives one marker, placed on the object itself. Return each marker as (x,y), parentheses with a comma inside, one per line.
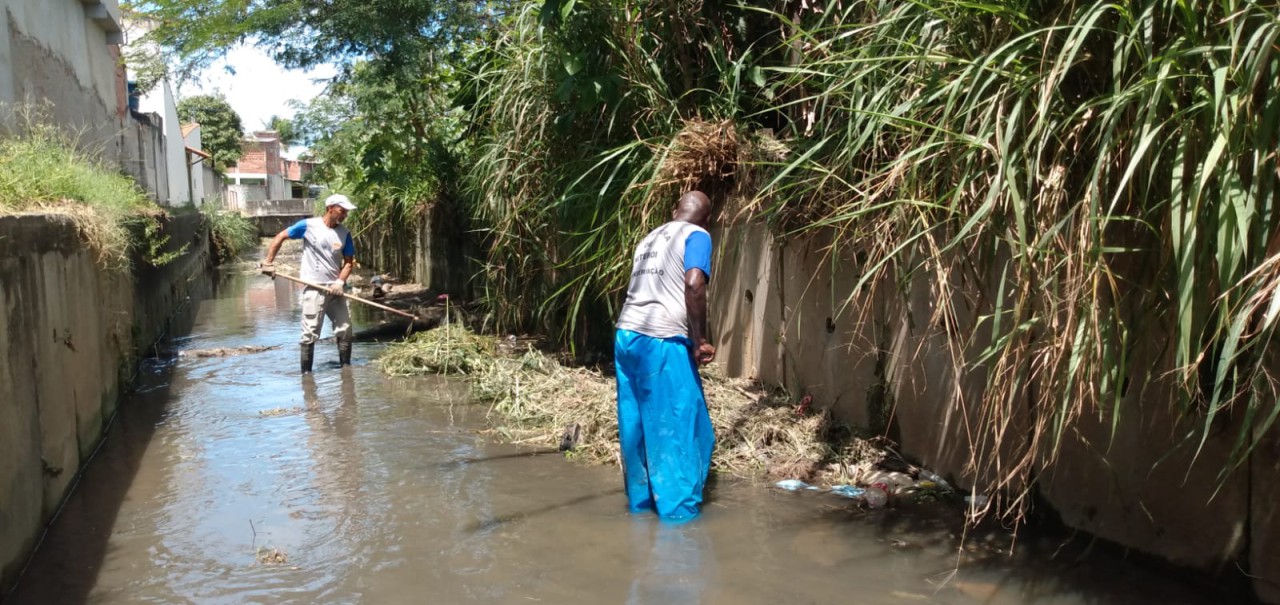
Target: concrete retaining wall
(880,358)
(878,355)
(69,331)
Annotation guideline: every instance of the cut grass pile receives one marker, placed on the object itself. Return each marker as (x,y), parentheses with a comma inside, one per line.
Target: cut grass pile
(533,399)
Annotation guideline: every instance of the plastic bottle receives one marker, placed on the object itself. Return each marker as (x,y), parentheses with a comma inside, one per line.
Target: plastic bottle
(932,476)
(876,496)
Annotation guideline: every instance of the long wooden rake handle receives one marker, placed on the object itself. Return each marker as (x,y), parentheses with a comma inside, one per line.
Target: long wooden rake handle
(351,296)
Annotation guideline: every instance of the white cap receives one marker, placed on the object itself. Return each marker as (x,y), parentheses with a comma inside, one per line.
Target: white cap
(338,199)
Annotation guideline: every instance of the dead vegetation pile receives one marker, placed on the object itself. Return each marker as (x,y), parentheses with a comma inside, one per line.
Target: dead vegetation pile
(717,158)
(534,399)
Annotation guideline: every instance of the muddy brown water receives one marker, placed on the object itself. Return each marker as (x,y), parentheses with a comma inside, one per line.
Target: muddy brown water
(235,480)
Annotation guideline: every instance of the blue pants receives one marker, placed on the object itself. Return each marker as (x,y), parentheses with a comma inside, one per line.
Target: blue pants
(663,424)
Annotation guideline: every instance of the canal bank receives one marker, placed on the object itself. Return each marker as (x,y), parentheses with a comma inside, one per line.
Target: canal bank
(71,332)
(233,479)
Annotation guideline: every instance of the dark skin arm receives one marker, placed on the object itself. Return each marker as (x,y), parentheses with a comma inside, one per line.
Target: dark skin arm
(695,304)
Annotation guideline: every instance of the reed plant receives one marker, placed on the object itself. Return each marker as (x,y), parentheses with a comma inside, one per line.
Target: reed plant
(1104,171)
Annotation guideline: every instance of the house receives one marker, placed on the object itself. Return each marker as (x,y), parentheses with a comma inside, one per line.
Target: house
(264,174)
(202,178)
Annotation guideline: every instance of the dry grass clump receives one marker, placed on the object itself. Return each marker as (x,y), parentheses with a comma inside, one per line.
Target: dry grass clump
(702,151)
(534,400)
(448,349)
(760,433)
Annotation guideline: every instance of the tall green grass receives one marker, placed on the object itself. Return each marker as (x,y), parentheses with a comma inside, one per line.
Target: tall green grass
(586,123)
(233,234)
(1104,172)
(1106,169)
(44,169)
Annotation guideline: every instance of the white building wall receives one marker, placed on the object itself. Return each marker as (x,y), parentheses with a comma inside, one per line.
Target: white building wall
(278,188)
(195,169)
(161,101)
(64,53)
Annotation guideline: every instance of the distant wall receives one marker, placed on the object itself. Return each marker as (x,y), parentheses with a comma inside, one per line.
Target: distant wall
(788,314)
(271,224)
(443,252)
(69,331)
(212,181)
(65,55)
(64,51)
(160,105)
(142,155)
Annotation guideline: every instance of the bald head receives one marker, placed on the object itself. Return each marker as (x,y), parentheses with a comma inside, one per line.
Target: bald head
(694,207)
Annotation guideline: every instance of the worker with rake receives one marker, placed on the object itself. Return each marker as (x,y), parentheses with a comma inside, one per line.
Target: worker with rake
(661,339)
(328,257)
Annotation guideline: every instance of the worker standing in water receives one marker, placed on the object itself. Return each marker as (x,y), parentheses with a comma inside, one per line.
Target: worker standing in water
(661,339)
(328,257)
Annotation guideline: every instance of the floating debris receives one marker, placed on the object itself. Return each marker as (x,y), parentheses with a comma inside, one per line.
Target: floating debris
(761,433)
(278,412)
(793,485)
(272,556)
(225,352)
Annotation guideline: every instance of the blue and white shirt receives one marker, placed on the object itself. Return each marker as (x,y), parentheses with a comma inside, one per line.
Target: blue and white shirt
(655,299)
(323,249)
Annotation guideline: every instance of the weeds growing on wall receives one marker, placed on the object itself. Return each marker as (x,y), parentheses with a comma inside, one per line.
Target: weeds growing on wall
(232,233)
(45,170)
(1109,168)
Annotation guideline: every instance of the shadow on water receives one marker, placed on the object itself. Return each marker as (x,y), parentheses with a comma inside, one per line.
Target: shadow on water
(499,520)
(1044,561)
(497,457)
(81,529)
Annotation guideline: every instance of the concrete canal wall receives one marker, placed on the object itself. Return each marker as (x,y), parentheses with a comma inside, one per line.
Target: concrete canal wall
(787,314)
(878,358)
(70,333)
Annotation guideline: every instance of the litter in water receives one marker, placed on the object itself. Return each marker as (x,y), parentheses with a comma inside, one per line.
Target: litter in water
(792,485)
(848,491)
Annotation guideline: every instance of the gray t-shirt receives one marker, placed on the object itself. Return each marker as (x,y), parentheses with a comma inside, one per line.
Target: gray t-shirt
(655,299)
(322,249)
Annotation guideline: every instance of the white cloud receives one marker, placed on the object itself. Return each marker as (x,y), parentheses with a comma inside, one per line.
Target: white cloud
(259,88)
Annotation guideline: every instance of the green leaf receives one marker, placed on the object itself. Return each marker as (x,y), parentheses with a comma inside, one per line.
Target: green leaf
(573,63)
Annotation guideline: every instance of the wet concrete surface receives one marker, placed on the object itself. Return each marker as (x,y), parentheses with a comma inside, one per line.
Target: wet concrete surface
(369,489)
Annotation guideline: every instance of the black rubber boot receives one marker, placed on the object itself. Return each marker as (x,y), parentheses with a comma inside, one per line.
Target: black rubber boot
(308,356)
(344,352)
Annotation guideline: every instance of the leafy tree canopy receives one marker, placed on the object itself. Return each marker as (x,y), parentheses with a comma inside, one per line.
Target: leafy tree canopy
(285,129)
(304,33)
(220,127)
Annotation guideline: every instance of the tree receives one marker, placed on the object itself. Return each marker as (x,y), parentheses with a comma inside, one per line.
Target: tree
(220,127)
(285,129)
(304,33)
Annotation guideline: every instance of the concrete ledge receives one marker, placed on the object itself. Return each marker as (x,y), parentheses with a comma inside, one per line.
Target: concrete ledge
(67,329)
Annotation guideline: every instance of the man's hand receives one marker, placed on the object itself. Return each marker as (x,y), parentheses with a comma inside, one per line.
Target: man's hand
(704,354)
(335,289)
(267,268)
